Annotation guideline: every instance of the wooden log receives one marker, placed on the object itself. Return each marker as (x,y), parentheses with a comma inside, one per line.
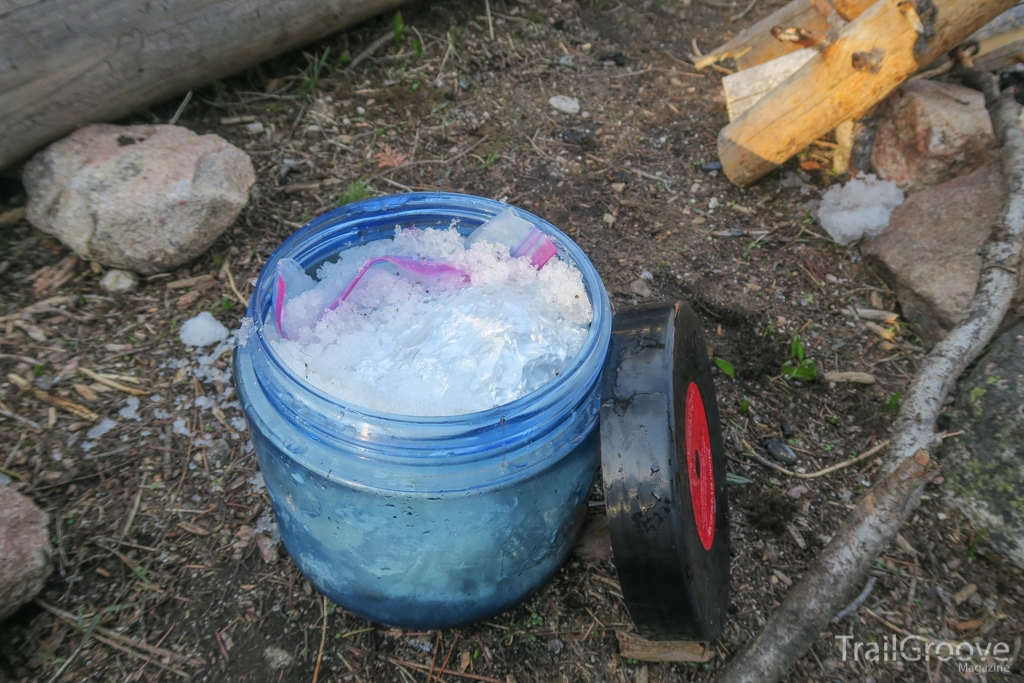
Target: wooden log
(996,46)
(744,88)
(1000,41)
(830,89)
(756,45)
(66,63)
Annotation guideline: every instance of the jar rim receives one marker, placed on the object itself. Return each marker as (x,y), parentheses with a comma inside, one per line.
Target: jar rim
(345,219)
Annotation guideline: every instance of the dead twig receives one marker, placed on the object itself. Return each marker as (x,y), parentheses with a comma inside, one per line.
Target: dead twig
(820,473)
(632,646)
(72,619)
(746,10)
(444,664)
(135,507)
(181,109)
(424,667)
(109,642)
(370,49)
(52,302)
(490,22)
(111,383)
(878,516)
(231,283)
(14,416)
(323,639)
(55,401)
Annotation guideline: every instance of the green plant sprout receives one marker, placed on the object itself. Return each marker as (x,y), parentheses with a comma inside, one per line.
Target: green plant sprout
(399,28)
(354,192)
(799,366)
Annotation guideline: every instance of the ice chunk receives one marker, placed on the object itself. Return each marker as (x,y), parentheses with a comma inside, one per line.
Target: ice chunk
(294,312)
(181,427)
(202,330)
(858,209)
(439,347)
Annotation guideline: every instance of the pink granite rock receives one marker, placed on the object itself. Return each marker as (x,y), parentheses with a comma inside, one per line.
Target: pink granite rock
(25,555)
(928,254)
(931,132)
(142,198)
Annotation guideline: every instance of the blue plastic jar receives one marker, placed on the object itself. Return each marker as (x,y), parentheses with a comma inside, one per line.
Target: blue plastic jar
(422,522)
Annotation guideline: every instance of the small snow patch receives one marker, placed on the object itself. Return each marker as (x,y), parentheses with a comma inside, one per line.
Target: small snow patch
(130,410)
(202,330)
(104,426)
(180,427)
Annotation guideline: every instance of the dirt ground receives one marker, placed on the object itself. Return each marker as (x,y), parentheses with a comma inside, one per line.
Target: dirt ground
(153,534)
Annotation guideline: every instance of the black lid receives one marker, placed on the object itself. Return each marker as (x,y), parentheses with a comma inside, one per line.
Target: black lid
(664,473)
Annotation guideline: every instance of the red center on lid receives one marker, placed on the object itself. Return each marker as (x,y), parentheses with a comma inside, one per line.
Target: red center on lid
(699,468)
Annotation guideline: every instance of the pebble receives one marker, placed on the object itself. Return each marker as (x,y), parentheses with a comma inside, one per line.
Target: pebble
(640,288)
(277,657)
(609,219)
(798,491)
(254,128)
(565,104)
(780,451)
(787,430)
(116,281)
(618,187)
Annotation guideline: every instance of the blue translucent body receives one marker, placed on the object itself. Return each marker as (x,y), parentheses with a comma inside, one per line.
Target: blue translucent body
(422,522)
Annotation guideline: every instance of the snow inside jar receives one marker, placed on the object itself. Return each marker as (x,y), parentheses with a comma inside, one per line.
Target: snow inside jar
(423,398)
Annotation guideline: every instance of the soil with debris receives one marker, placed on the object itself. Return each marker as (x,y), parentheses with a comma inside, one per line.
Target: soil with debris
(166,569)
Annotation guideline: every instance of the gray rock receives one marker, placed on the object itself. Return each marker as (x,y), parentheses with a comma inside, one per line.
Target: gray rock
(984,467)
(930,132)
(25,554)
(928,253)
(141,198)
(118,281)
(565,104)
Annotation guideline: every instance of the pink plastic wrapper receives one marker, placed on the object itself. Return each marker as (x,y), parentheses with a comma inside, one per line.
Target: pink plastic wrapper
(522,238)
(418,269)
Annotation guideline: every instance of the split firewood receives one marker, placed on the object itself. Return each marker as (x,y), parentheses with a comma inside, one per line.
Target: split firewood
(756,45)
(830,88)
(997,45)
(744,89)
(839,570)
